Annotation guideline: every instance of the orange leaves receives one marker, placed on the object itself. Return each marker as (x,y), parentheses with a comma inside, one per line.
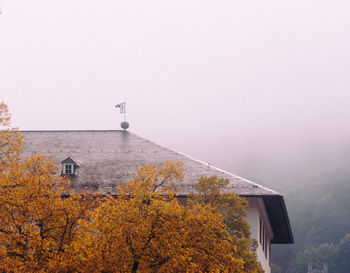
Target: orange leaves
(212,191)
(10,139)
(37,223)
(152,182)
(5,116)
(144,229)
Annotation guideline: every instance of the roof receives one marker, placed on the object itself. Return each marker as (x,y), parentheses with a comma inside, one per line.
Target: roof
(68,160)
(109,157)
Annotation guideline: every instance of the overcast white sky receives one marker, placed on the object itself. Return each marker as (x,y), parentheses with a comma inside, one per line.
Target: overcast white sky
(199,76)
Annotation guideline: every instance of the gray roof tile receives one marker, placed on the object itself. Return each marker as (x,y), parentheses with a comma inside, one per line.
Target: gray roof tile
(107,158)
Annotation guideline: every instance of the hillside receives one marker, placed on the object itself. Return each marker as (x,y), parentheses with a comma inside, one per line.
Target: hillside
(315,180)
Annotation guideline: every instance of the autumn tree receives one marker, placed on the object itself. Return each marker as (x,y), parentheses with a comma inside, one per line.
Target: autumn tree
(10,139)
(213,191)
(145,229)
(142,229)
(36,223)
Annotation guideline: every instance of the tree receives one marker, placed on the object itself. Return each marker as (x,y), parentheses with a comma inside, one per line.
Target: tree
(36,223)
(341,261)
(144,229)
(213,191)
(316,256)
(10,139)
(336,256)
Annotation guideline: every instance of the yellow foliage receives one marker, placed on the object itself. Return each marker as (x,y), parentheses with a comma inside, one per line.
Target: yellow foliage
(147,230)
(213,191)
(10,139)
(5,116)
(143,229)
(36,223)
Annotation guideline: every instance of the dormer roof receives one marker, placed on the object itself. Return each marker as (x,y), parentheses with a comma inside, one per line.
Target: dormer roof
(68,160)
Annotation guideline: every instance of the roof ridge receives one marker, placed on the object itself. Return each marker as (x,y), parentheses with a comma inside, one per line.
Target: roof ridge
(64,130)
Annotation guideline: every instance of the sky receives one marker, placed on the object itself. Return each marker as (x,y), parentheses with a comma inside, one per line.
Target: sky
(230,82)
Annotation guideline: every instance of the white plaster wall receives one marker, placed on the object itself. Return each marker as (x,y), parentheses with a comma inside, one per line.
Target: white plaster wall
(256,210)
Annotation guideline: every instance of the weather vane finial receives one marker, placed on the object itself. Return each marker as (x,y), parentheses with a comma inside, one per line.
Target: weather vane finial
(122,107)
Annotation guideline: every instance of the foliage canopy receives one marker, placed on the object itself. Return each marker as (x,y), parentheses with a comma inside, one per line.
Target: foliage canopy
(144,229)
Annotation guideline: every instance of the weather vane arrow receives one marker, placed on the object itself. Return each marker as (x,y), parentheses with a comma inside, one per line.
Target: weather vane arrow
(122,107)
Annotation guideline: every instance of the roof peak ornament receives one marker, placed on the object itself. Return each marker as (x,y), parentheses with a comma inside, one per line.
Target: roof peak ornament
(122,107)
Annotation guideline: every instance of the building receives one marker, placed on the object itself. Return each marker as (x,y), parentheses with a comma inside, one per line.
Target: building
(98,160)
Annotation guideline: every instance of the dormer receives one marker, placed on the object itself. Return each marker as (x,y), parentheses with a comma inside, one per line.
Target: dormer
(69,167)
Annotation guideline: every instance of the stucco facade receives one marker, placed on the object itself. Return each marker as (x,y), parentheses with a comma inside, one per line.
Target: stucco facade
(261,231)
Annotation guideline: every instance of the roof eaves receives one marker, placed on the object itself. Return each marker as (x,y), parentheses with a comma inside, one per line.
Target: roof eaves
(278,216)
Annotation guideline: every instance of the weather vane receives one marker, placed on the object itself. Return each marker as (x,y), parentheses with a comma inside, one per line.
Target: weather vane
(122,107)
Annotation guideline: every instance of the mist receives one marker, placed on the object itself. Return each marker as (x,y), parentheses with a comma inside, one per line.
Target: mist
(256,88)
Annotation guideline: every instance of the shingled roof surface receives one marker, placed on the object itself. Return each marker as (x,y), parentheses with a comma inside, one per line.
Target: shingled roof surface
(111,157)
(107,158)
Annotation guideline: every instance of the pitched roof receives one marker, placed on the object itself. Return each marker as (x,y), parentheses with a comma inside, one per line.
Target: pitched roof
(109,157)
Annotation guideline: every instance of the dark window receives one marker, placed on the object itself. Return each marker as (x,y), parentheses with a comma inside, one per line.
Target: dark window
(68,169)
(265,248)
(263,238)
(260,231)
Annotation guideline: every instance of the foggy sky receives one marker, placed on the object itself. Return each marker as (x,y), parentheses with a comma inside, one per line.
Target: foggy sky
(220,80)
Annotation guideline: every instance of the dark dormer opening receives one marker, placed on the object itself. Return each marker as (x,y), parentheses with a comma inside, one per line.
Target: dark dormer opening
(69,167)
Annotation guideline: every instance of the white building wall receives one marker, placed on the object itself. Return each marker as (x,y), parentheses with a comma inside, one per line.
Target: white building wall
(256,212)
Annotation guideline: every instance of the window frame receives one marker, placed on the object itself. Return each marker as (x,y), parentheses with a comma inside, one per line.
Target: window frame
(264,239)
(65,168)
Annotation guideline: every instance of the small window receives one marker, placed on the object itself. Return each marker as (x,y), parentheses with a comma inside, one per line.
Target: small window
(265,246)
(68,169)
(264,239)
(260,231)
